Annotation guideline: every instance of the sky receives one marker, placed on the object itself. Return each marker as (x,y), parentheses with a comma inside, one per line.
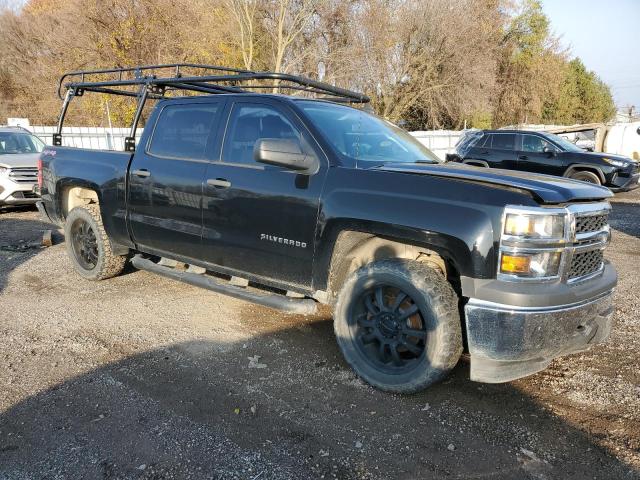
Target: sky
(605,34)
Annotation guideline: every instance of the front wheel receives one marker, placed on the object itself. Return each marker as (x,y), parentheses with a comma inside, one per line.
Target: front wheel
(398,326)
(88,246)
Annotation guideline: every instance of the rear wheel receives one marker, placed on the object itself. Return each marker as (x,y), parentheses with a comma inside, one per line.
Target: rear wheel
(586,176)
(88,246)
(398,326)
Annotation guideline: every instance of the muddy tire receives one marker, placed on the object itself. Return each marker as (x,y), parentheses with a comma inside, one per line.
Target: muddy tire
(88,246)
(398,326)
(586,176)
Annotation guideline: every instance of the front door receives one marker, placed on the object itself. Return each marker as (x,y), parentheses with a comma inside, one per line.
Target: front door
(261,219)
(540,156)
(166,178)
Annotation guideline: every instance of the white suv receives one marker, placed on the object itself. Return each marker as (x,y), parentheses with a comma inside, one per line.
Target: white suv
(19,153)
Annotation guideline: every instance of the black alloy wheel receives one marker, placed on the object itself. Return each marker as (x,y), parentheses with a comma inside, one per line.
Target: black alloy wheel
(389,329)
(84,243)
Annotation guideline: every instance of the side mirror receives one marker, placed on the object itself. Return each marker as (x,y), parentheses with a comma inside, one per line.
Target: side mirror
(550,152)
(285,153)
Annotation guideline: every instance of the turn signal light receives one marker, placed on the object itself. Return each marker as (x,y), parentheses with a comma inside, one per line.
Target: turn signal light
(515,264)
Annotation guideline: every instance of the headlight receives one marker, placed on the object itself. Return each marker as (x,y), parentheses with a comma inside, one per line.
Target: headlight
(532,242)
(534,226)
(4,171)
(615,163)
(531,265)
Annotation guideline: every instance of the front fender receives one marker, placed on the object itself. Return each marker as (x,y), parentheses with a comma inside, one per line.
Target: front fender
(459,220)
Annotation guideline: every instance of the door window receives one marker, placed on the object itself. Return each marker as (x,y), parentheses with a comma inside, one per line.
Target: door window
(535,144)
(248,124)
(182,131)
(484,142)
(504,141)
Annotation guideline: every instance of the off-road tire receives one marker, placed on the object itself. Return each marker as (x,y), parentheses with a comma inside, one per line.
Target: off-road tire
(434,293)
(108,265)
(586,176)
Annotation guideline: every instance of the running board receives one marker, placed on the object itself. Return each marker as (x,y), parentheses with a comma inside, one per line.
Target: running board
(303,306)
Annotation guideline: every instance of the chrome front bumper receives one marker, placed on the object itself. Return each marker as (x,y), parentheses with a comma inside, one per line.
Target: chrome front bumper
(508,342)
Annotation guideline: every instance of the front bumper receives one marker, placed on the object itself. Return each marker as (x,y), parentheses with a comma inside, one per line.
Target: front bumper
(12,193)
(508,342)
(625,184)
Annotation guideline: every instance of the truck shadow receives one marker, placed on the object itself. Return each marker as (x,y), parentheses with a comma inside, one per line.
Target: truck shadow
(280,405)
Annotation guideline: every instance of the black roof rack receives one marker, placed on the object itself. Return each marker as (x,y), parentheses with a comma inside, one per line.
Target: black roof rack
(199,78)
(154,81)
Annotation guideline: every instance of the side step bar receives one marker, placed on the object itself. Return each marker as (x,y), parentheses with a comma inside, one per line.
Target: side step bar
(303,306)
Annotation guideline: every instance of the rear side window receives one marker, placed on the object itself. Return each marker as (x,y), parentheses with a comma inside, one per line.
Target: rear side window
(182,131)
(247,124)
(503,141)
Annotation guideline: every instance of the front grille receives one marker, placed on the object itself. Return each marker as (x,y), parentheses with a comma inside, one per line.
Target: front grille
(24,174)
(585,263)
(591,223)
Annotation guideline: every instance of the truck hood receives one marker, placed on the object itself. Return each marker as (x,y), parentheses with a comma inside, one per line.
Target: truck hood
(545,188)
(12,160)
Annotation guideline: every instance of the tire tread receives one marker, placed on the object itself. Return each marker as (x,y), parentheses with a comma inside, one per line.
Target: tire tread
(444,302)
(112,265)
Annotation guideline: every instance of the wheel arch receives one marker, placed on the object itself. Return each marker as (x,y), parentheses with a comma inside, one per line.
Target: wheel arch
(72,194)
(581,167)
(355,246)
(80,193)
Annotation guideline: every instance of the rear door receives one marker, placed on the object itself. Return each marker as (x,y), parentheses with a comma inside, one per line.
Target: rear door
(479,150)
(261,219)
(166,178)
(503,151)
(540,156)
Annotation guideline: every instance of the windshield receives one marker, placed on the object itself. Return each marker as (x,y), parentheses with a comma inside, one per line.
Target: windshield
(18,142)
(563,143)
(365,137)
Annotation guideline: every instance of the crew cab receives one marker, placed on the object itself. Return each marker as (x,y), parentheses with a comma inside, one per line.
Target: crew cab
(546,153)
(290,201)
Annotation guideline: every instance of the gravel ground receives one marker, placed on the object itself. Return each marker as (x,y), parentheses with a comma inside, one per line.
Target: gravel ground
(143,377)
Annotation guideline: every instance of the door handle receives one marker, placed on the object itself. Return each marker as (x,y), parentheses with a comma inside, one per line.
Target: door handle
(219,182)
(486,152)
(143,172)
(523,157)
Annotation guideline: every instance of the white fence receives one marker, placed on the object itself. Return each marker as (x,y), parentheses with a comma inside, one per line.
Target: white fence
(98,138)
(439,142)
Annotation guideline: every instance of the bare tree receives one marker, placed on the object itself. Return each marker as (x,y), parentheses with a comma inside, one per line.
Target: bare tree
(244,12)
(286,19)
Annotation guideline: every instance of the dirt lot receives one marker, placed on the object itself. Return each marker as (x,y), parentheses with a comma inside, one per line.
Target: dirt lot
(142,377)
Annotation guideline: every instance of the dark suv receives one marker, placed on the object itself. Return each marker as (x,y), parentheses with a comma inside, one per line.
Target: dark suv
(546,153)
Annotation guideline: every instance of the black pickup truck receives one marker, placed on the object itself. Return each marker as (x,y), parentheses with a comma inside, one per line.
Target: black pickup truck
(289,201)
